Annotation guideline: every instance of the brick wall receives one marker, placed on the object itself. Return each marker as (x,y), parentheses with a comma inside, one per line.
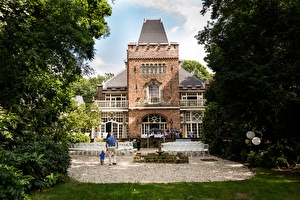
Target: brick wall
(137,55)
(153,54)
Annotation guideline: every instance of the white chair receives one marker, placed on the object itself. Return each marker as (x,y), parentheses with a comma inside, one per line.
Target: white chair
(205,149)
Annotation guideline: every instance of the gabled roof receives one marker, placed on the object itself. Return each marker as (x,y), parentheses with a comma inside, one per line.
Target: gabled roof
(79,100)
(153,32)
(119,80)
(186,79)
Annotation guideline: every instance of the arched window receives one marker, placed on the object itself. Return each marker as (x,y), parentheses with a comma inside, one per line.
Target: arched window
(153,92)
(154,125)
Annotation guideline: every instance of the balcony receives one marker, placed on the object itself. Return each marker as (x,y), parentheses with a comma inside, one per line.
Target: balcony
(112,104)
(156,102)
(102,104)
(192,103)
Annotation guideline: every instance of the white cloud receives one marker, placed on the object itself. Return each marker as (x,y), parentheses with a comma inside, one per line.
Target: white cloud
(101,67)
(97,62)
(181,18)
(189,12)
(174,29)
(187,9)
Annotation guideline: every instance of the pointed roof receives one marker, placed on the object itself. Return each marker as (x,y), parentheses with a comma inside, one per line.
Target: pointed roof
(79,100)
(153,31)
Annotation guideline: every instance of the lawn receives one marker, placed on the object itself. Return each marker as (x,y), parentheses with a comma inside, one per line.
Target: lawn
(267,184)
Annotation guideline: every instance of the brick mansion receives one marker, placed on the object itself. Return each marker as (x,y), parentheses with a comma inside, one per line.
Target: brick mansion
(153,94)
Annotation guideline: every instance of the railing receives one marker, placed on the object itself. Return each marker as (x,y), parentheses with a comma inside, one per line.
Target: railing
(124,103)
(112,104)
(192,103)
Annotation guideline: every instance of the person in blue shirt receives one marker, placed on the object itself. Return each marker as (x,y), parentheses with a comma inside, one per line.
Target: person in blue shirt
(102,157)
(111,148)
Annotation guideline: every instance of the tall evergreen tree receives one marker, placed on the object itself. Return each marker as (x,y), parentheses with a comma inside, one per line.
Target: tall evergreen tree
(254,49)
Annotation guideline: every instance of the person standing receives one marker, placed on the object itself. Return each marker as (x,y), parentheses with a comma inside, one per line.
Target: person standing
(111,148)
(180,133)
(102,157)
(172,132)
(138,143)
(191,134)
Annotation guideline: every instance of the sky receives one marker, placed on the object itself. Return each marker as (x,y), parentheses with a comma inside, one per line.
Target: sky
(181,19)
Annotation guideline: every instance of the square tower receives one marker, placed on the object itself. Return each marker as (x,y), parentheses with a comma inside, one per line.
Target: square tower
(153,78)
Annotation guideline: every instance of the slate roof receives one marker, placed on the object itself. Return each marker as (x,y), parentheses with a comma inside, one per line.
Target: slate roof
(118,81)
(186,79)
(153,32)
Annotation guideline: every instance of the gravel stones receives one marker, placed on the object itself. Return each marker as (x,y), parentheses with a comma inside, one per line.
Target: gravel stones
(199,169)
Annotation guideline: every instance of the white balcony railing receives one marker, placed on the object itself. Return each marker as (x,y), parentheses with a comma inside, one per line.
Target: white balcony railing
(192,103)
(112,104)
(124,103)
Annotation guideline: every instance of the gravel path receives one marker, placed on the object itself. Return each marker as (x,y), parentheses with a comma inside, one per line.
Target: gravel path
(199,169)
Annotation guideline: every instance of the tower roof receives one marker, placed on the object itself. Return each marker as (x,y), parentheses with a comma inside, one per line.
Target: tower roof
(153,31)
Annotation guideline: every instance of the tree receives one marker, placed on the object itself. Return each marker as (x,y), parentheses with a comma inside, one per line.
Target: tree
(51,40)
(196,69)
(255,52)
(83,118)
(44,47)
(88,88)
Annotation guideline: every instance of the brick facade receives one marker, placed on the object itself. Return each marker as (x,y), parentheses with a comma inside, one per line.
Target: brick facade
(153,91)
(139,54)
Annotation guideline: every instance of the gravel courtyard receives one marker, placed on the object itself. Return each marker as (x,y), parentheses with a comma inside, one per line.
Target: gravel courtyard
(199,169)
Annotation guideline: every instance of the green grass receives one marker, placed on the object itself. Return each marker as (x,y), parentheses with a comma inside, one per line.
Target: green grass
(266,185)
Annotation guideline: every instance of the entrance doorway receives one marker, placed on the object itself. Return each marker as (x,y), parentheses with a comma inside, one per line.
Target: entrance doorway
(154,125)
(108,127)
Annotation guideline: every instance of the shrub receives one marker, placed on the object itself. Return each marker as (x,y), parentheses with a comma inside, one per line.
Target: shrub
(79,137)
(99,140)
(270,157)
(12,180)
(163,158)
(254,158)
(47,161)
(29,159)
